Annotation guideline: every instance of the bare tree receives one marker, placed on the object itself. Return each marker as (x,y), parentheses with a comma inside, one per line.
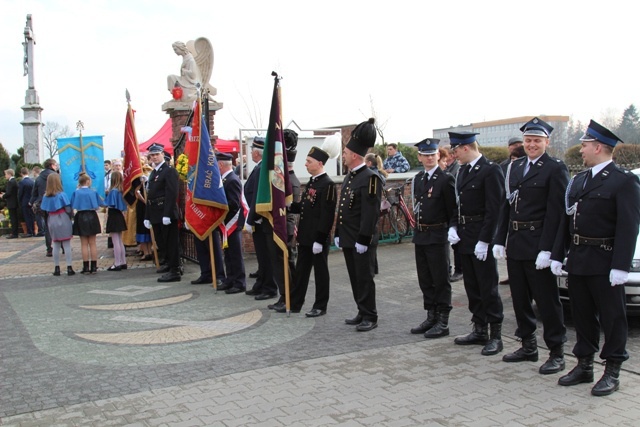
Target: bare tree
(379,124)
(51,131)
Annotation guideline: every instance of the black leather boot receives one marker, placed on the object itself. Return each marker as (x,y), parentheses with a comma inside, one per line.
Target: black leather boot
(56,270)
(610,379)
(94,267)
(582,373)
(479,336)
(527,352)
(70,271)
(85,267)
(494,346)
(441,328)
(429,323)
(555,363)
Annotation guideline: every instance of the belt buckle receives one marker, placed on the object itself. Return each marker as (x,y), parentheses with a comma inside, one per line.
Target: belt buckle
(576,239)
(461,220)
(514,225)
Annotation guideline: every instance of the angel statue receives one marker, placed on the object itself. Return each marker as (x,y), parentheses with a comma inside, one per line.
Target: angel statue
(197,64)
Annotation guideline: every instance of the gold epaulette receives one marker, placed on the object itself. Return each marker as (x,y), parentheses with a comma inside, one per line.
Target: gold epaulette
(373,185)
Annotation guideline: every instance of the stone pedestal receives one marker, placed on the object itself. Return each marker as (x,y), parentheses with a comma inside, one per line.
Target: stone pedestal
(32,128)
(179,113)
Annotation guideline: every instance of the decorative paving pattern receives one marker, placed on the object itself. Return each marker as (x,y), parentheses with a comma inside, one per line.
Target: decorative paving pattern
(141,305)
(193,331)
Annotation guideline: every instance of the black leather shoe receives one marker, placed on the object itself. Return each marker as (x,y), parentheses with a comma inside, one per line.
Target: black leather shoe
(253,292)
(429,323)
(610,381)
(169,277)
(553,365)
(366,325)
(521,355)
(283,309)
(455,277)
(263,297)
(234,291)
(123,266)
(278,304)
(163,269)
(316,312)
(201,281)
(355,321)
(223,287)
(253,275)
(114,268)
(582,373)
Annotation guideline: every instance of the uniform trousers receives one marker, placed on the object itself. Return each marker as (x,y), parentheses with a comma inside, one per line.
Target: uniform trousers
(595,305)
(360,269)
(276,258)
(527,284)
(204,256)
(433,276)
(306,261)
(481,285)
(264,282)
(168,241)
(233,260)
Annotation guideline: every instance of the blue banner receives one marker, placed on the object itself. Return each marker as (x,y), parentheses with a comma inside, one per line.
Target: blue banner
(78,155)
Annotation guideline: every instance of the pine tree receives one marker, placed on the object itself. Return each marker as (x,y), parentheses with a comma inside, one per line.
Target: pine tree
(629,128)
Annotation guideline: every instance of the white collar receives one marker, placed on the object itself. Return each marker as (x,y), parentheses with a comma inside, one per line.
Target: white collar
(597,168)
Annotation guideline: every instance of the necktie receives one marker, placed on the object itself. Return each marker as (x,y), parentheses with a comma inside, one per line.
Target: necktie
(587,179)
(466,171)
(528,168)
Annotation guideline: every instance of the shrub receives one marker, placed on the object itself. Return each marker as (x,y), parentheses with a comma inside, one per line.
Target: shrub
(495,154)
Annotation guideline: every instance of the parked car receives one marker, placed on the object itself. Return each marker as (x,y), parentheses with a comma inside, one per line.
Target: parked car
(632,287)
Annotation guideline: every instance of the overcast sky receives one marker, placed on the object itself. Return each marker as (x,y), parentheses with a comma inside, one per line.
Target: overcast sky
(425,64)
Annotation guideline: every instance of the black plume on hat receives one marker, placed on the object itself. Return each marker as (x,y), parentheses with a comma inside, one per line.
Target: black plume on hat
(363,137)
(291,143)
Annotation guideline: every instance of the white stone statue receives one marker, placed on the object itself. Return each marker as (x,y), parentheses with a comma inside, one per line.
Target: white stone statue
(197,65)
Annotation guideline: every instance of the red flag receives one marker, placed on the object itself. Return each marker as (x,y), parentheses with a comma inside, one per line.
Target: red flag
(205,200)
(132,170)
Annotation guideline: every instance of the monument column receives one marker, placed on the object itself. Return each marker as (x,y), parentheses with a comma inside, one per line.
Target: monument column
(32,123)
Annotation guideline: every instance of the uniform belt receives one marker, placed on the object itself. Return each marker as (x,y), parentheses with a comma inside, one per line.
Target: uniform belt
(158,201)
(592,241)
(464,219)
(525,225)
(428,227)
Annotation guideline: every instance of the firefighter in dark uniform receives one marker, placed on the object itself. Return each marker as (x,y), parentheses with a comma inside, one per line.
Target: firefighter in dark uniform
(317,209)
(600,230)
(434,206)
(234,281)
(358,214)
(264,287)
(531,217)
(162,211)
(479,193)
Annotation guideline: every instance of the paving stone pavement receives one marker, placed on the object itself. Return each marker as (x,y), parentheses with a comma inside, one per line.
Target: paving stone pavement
(118,348)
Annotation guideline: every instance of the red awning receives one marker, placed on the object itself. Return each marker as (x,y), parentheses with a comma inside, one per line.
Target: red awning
(163,136)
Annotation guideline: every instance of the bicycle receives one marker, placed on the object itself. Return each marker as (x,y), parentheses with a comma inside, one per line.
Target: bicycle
(396,219)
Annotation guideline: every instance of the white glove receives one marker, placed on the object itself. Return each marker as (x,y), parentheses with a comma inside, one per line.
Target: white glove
(248,227)
(452,236)
(498,251)
(544,260)
(166,220)
(618,277)
(481,250)
(336,240)
(361,248)
(317,248)
(147,224)
(556,268)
